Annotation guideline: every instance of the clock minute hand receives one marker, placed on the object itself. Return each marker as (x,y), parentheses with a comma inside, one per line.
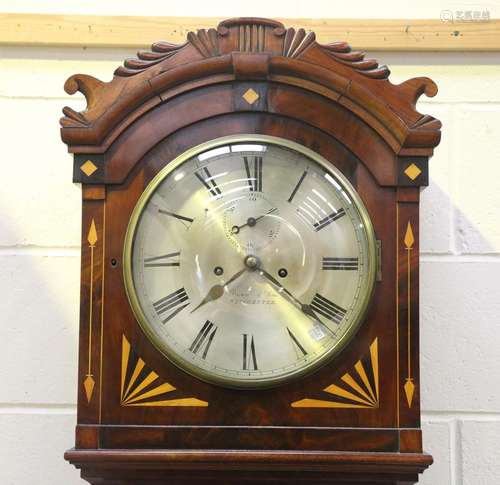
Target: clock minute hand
(306,309)
(218,290)
(273,280)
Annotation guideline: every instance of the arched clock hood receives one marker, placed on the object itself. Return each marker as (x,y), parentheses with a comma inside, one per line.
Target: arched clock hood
(254,50)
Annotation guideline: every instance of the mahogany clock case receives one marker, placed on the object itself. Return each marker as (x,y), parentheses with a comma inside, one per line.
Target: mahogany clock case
(249,76)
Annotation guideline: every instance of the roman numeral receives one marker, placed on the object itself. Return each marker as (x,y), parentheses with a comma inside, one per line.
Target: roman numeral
(172,303)
(340,264)
(204,339)
(204,176)
(297,345)
(299,183)
(329,219)
(327,308)
(171,259)
(249,358)
(177,216)
(254,176)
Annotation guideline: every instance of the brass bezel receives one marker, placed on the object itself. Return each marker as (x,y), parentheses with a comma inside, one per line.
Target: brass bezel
(203,374)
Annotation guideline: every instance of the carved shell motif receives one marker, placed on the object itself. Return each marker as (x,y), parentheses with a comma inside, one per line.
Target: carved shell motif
(206,42)
(145,59)
(295,43)
(342,52)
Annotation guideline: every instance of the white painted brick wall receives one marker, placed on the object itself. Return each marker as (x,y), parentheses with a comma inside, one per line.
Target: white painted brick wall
(40,234)
(480,454)
(33,440)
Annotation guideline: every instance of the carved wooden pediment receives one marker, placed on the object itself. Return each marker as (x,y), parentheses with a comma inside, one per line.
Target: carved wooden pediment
(251,49)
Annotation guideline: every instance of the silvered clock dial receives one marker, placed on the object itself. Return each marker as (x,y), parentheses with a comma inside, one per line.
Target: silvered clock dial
(249,261)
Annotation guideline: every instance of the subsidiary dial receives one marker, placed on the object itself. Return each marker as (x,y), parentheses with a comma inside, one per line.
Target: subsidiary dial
(252,222)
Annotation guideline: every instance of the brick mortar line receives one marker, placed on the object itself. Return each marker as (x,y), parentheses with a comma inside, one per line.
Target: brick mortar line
(78,97)
(34,409)
(461,415)
(41,251)
(459,258)
(457,454)
(452,453)
(457,103)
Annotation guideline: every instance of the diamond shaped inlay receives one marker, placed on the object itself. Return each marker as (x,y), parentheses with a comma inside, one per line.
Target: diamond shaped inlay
(250,96)
(88,168)
(413,171)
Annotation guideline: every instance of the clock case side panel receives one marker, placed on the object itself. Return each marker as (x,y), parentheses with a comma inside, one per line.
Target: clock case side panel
(91,304)
(408,313)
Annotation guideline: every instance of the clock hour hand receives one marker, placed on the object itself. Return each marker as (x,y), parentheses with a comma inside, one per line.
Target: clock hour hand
(251,221)
(218,290)
(306,309)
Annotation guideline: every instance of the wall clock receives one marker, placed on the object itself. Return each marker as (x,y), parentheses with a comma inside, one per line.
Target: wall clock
(249,281)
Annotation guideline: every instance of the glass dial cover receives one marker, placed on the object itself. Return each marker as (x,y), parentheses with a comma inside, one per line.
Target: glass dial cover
(249,261)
